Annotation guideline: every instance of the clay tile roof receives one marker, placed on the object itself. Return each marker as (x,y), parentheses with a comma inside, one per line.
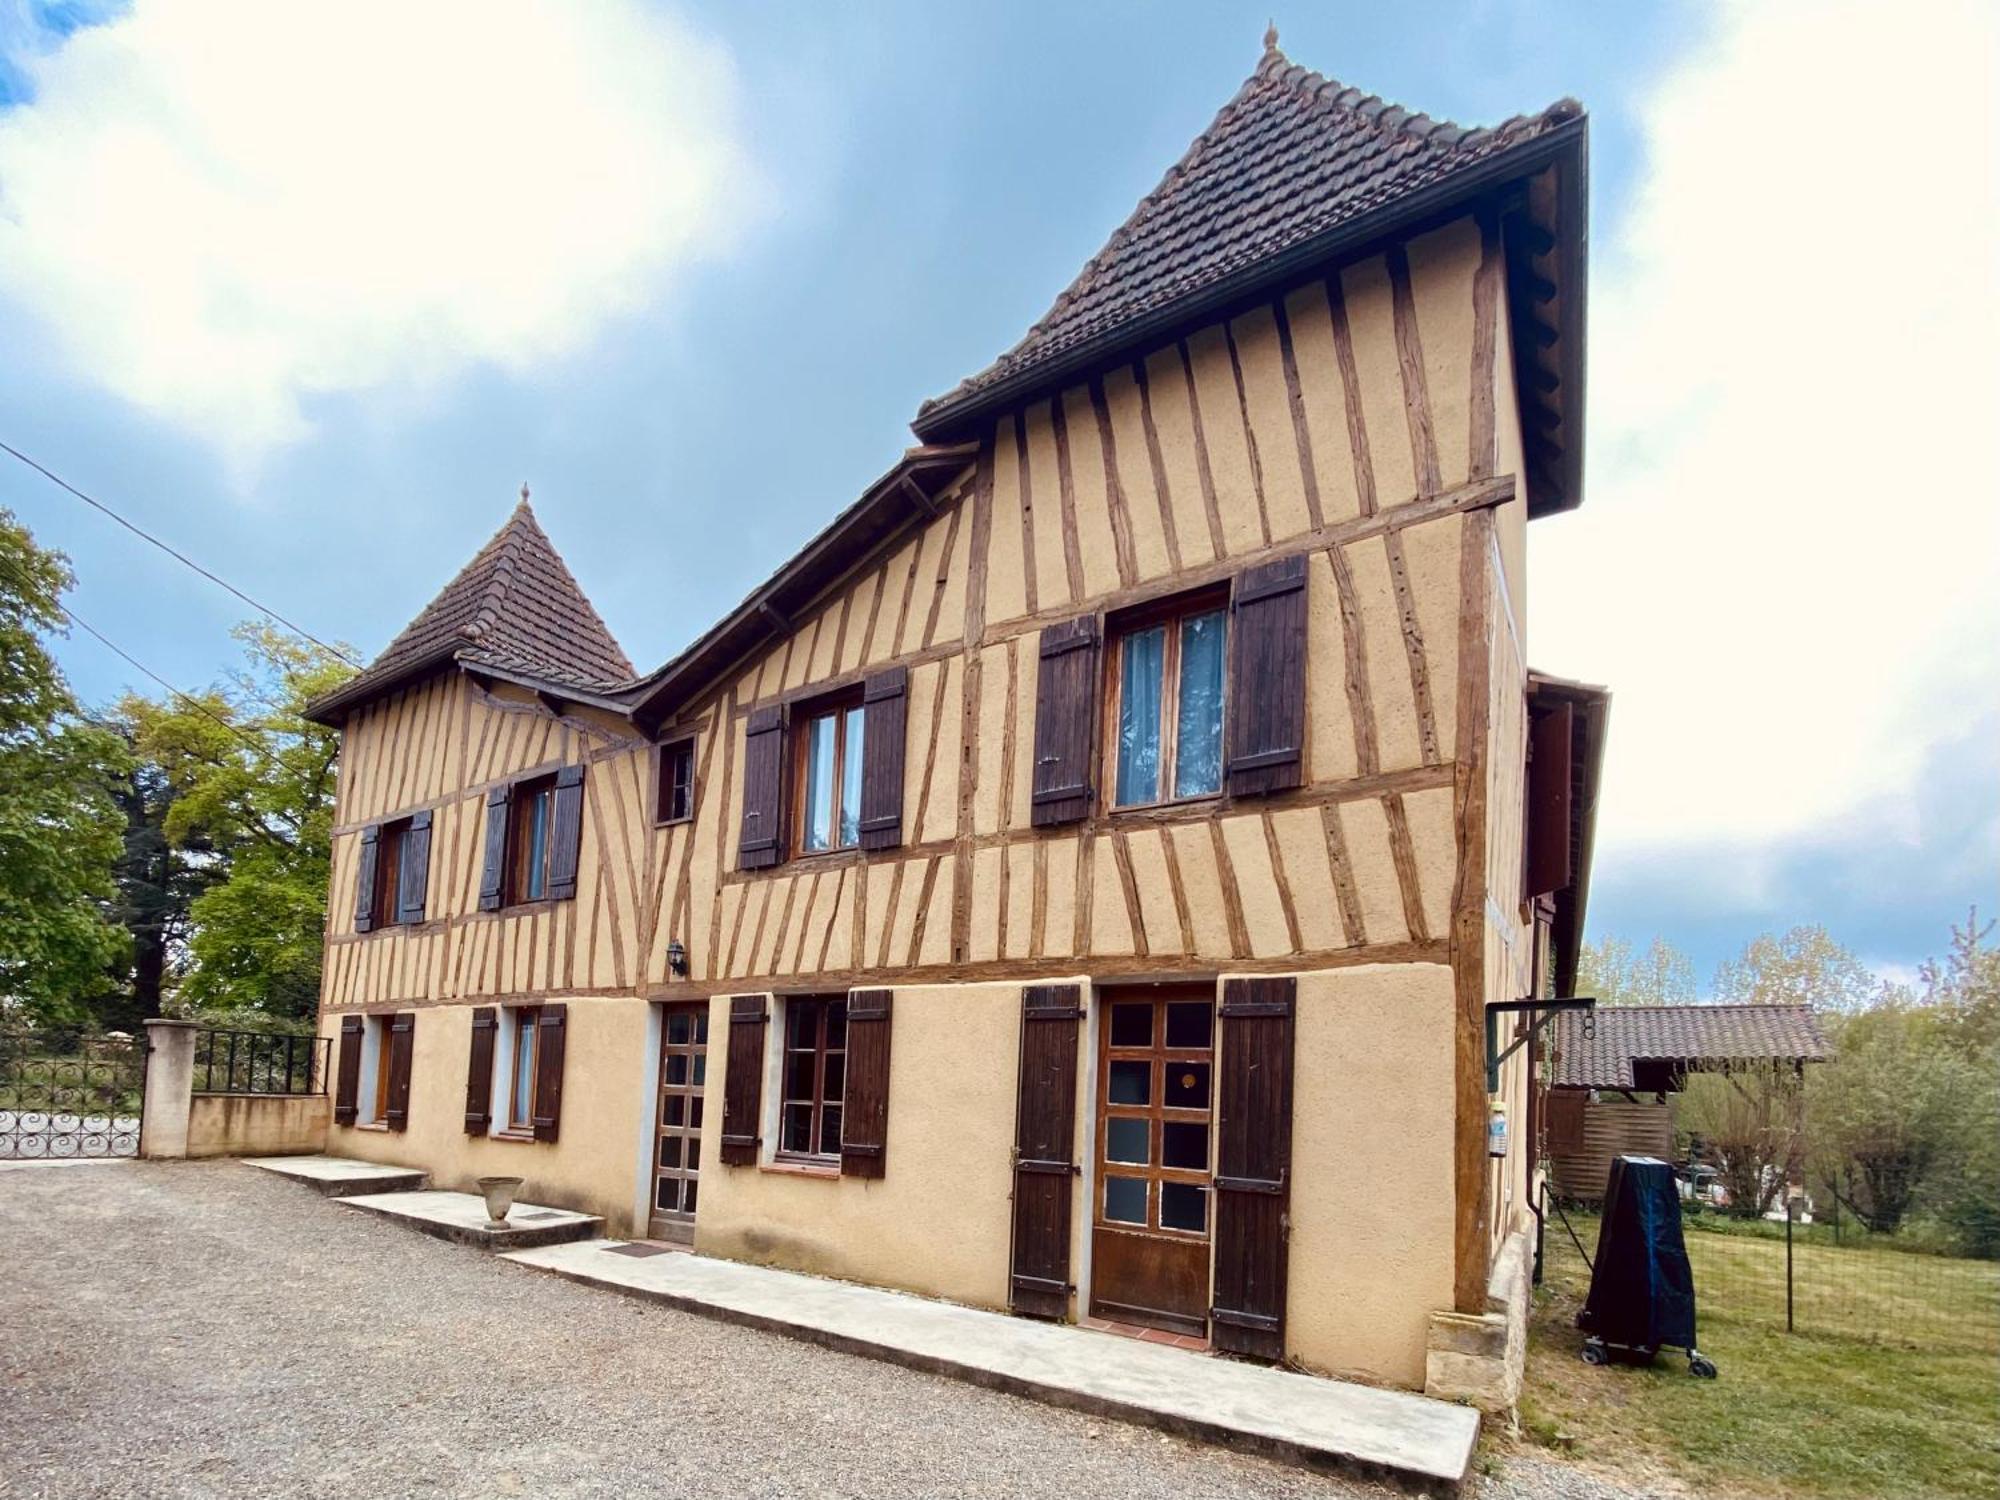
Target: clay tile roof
(1692,1034)
(1291,157)
(516,607)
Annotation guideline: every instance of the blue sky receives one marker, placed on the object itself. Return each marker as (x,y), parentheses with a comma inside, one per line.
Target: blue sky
(852,207)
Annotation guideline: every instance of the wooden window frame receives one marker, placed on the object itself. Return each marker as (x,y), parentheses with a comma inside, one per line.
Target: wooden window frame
(513,889)
(671,751)
(838,706)
(379,1032)
(1120,627)
(819,1158)
(519,1019)
(1158,1114)
(386,900)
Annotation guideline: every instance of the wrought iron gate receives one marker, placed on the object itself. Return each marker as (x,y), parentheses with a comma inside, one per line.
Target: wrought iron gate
(66,1093)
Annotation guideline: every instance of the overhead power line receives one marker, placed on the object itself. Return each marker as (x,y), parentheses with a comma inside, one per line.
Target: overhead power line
(177,556)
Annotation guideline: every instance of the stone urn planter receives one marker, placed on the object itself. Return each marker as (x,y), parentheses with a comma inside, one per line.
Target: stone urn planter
(499,1194)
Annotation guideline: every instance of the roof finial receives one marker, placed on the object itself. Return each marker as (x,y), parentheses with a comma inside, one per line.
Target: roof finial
(524,492)
(1271,36)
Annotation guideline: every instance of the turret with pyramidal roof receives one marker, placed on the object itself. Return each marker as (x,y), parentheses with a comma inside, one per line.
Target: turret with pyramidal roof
(515,608)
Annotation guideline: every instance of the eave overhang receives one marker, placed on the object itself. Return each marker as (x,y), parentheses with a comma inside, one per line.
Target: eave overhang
(1591,710)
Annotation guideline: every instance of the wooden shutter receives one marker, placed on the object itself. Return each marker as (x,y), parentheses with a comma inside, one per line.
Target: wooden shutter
(743,1082)
(1563,1110)
(550,1030)
(1549,729)
(493,879)
(864,1119)
(416,872)
(364,878)
(347,1077)
(479,1072)
(1065,723)
(1267,678)
(1253,1167)
(763,841)
(1044,1150)
(402,1035)
(886,697)
(566,834)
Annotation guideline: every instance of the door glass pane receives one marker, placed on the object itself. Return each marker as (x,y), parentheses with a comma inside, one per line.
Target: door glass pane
(1187,1086)
(694,1114)
(693,1153)
(1198,746)
(1125,1199)
(700,1069)
(666,1194)
(688,1191)
(677,1069)
(1143,657)
(670,1152)
(1183,1206)
(673,1112)
(818,830)
(1132,1025)
(1184,1145)
(701,1026)
(678,1022)
(1131,1083)
(1190,1024)
(1128,1141)
(850,782)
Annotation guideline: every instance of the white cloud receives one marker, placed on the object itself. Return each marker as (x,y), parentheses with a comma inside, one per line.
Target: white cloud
(221,209)
(1788,569)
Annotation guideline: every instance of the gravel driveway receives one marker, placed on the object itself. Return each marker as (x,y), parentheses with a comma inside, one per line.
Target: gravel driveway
(204,1329)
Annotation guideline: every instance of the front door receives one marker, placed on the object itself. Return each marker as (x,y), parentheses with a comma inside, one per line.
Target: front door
(677,1124)
(1150,1229)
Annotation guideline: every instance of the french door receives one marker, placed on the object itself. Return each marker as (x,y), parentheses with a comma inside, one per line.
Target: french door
(677,1121)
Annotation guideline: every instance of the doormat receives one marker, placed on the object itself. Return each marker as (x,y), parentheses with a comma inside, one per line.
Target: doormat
(637,1250)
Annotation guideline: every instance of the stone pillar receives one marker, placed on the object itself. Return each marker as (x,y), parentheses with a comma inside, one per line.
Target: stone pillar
(163,1128)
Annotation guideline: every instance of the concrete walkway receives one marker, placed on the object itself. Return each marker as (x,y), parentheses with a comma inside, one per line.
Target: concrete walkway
(1285,1415)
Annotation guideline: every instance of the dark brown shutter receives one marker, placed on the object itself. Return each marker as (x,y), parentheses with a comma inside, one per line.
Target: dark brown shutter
(550,1031)
(1253,1160)
(416,871)
(882,759)
(493,879)
(1044,1150)
(864,1119)
(364,878)
(1065,723)
(479,1072)
(763,841)
(1563,1110)
(347,1077)
(566,835)
(1267,677)
(743,1082)
(1549,728)
(402,1036)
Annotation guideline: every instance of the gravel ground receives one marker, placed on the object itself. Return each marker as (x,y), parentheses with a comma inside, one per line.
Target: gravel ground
(204,1329)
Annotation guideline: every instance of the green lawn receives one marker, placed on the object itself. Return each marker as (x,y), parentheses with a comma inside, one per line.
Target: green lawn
(1894,1391)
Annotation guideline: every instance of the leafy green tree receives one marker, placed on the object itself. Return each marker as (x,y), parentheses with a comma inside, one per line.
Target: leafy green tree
(253,786)
(59,830)
(1615,975)
(1803,967)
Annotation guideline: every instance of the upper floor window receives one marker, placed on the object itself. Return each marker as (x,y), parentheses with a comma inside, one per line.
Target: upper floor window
(830,739)
(528,835)
(393,872)
(534,836)
(676,789)
(1166,716)
(391,846)
(815,1077)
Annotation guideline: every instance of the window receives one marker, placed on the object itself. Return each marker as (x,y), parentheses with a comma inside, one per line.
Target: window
(815,1078)
(676,791)
(519,1114)
(391,848)
(1165,719)
(528,829)
(829,775)
(376,1070)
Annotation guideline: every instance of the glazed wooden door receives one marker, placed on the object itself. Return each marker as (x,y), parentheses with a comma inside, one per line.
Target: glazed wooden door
(1150,1224)
(677,1123)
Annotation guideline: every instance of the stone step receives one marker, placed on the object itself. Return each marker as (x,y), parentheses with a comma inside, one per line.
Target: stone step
(461,1218)
(341,1176)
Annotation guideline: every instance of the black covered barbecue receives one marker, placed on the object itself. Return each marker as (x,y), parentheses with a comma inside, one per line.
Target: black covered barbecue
(1641,1286)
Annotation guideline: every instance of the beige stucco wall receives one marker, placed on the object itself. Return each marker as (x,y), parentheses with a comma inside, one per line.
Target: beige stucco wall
(594,1167)
(257,1124)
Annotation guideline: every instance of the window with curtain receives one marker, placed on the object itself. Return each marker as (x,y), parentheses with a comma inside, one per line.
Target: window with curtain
(829,775)
(530,818)
(1166,722)
(815,1077)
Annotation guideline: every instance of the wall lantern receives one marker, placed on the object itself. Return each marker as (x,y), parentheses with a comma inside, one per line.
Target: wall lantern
(677,959)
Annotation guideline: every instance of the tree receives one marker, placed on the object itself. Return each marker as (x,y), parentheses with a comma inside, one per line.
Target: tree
(1610,971)
(1747,1119)
(58,826)
(253,786)
(1804,967)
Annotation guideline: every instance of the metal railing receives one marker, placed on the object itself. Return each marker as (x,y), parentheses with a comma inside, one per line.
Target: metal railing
(258,1062)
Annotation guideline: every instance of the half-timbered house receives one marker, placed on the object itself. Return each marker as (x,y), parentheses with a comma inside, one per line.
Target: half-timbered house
(1074,882)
